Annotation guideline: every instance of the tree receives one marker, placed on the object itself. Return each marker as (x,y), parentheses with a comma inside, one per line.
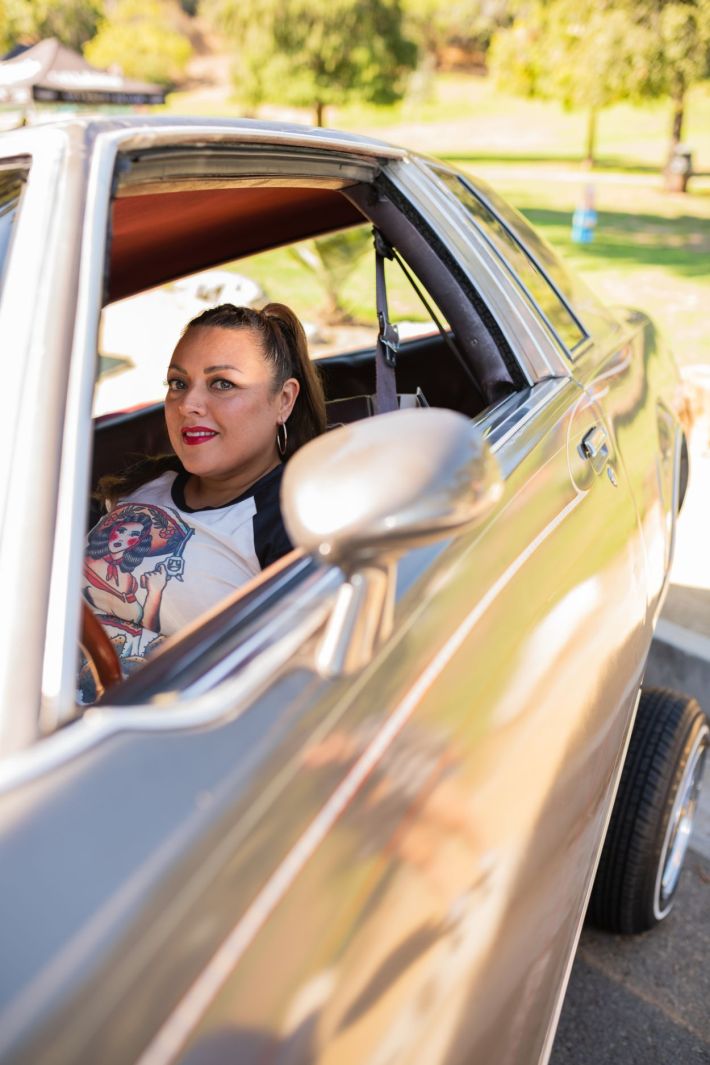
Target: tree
(681,56)
(138,39)
(73,22)
(616,50)
(588,60)
(313,53)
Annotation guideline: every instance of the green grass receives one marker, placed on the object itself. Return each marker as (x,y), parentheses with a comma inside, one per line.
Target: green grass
(467,114)
(651,249)
(498,126)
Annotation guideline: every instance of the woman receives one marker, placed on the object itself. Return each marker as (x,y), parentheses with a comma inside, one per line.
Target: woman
(242,396)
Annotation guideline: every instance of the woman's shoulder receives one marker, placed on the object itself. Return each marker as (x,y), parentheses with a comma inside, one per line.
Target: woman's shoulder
(159,489)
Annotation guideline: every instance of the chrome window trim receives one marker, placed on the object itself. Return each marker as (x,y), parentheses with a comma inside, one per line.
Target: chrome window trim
(36,312)
(498,424)
(64,607)
(156,169)
(519,321)
(479,195)
(11,163)
(145,135)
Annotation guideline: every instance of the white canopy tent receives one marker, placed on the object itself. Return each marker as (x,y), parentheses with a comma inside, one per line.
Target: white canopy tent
(49,72)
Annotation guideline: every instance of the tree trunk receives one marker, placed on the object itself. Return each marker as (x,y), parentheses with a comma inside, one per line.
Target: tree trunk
(678,117)
(320,111)
(678,167)
(677,122)
(591,137)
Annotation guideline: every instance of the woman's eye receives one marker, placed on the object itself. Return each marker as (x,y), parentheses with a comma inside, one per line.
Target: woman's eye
(221,384)
(174,384)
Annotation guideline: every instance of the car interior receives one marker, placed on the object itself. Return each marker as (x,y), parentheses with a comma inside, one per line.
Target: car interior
(160,232)
(158,237)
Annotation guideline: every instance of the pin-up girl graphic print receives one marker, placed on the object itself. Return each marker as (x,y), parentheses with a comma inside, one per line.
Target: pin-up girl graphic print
(116,546)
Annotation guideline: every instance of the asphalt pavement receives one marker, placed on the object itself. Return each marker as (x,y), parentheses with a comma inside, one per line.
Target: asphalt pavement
(645,1000)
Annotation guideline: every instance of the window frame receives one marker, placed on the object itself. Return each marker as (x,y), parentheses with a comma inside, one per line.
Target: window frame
(571,352)
(110,150)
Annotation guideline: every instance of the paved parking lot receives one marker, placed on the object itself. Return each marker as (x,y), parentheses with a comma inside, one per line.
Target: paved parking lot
(644,1000)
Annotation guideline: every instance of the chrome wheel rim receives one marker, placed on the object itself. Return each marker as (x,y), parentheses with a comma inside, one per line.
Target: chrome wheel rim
(680,826)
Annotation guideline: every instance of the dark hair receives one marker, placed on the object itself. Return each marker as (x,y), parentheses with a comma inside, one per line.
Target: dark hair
(114,485)
(285,346)
(98,538)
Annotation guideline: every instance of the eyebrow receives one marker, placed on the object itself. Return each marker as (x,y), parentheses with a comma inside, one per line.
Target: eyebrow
(207,369)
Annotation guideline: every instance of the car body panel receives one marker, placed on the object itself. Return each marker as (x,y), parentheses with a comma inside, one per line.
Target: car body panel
(262,861)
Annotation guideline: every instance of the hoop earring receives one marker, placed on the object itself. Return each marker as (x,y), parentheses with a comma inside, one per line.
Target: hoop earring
(281,444)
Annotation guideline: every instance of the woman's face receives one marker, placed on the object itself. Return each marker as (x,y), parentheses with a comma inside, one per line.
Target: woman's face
(221,408)
(123,537)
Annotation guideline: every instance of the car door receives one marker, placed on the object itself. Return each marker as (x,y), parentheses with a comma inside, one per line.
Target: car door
(460,785)
(430,907)
(269,863)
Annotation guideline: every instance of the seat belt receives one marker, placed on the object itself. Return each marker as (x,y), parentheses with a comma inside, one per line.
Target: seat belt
(388,337)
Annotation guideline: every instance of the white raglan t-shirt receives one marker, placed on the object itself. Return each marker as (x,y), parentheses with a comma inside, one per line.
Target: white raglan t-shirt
(153,564)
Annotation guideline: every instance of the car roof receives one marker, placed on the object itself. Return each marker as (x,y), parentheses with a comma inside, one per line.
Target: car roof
(161,231)
(250,130)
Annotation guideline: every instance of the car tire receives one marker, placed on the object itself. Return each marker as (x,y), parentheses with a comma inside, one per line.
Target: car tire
(650,825)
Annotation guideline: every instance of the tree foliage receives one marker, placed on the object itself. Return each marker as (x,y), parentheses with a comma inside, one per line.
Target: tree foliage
(138,39)
(312,53)
(73,22)
(614,50)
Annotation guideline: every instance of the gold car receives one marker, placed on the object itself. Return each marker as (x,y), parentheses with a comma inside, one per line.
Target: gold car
(354,814)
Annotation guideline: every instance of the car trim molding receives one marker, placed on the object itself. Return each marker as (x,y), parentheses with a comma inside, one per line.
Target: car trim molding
(147,135)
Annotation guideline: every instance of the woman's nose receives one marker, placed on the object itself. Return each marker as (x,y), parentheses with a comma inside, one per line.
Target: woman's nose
(192,399)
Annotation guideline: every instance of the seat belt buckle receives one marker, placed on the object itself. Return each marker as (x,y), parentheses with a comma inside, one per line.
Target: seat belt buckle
(389,338)
(382,246)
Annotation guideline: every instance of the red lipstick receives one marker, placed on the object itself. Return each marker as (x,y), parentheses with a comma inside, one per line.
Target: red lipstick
(193,435)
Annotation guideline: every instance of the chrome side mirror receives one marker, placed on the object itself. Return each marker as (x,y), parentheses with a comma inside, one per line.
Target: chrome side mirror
(362,495)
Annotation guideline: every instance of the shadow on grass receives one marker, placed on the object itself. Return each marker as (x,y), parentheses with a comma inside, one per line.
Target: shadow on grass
(681,245)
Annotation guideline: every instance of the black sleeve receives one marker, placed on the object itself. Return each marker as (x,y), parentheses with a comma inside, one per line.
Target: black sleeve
(271,540)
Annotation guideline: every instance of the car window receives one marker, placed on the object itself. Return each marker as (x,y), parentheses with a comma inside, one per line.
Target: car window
(544,286)
(329,282)
(138,551)
(11,185)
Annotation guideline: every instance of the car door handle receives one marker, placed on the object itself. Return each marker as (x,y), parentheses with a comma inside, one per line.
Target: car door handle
(594,448)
